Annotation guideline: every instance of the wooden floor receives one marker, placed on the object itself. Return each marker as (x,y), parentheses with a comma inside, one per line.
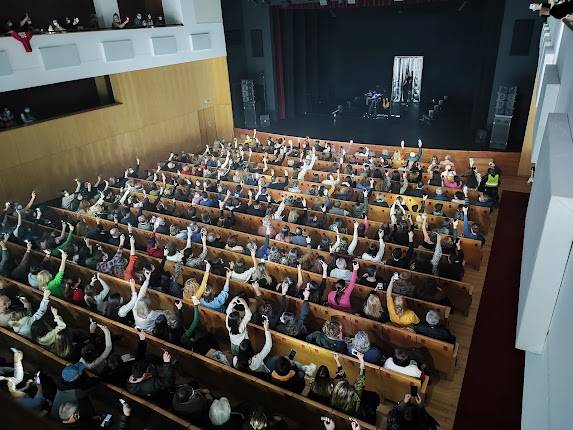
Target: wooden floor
(444,394)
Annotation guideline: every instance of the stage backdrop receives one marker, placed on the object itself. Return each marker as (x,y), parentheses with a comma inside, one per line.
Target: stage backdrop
(407,79)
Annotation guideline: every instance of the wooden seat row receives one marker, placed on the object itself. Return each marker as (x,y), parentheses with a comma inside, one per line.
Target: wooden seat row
(460,158)
(323,169)
(441,356)
(104,394)
(390,385)
(377,216)
(478,214)
(219,378)
(459,293)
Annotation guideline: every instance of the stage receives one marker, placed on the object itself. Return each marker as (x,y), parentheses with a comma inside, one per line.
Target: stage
(449,130)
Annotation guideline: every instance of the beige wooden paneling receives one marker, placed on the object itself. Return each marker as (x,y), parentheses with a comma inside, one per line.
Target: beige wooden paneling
(158,110)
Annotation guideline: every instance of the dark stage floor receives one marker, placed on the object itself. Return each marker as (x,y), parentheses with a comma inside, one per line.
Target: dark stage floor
(449,131)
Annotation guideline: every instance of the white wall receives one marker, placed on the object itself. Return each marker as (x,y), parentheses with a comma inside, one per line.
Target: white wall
(545,319)
(548,376)
(70,56)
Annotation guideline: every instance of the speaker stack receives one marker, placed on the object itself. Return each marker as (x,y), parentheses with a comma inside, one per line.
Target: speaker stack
(249,109)
(504,109)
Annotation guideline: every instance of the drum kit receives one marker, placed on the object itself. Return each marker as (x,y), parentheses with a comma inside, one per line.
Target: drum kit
(374,101)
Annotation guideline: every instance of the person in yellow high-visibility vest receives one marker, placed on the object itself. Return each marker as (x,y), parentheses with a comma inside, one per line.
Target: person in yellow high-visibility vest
(492,182)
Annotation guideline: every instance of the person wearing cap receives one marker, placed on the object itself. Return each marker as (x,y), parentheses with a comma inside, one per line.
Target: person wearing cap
(431,327)
(72,386)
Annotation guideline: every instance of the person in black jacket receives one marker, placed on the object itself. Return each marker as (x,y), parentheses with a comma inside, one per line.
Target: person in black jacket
(288,323)
(285,374)
(432,328)
(147,379)
(192,403)
(410,414)
(398,259)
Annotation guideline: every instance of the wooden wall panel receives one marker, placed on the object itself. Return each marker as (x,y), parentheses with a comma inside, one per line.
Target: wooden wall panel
(158,110)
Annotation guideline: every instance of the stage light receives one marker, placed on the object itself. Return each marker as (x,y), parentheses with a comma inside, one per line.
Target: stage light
(351,1)
(420,142)
(324,2)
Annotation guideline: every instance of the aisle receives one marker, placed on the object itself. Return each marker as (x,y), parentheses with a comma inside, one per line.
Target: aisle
(493,382)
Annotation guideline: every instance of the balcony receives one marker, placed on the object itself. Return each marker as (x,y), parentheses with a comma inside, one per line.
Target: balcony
(77,55)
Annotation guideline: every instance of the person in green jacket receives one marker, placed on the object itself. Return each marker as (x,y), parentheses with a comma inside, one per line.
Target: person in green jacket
(186,338)
(54,285)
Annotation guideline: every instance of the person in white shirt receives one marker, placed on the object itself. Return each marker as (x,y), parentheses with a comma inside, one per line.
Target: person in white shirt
(21,321)
(402,364)
(237,325)
(371,254)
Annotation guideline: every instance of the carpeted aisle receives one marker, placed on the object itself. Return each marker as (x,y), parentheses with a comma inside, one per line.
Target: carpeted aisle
(493,383)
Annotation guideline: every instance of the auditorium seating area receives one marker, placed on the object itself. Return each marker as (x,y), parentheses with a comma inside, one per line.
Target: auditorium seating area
(310,236)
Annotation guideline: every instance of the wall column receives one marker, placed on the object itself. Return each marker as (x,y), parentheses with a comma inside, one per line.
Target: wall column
(104,11)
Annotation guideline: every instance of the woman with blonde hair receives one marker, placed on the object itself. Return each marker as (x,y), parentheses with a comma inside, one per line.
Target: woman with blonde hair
(57,339)
(139,305)
(397,308)
(193,288)
(258,273)
(373,309)
(53,284)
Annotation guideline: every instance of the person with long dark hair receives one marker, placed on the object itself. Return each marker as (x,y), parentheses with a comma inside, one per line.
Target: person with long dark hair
(321,388)
(339,298)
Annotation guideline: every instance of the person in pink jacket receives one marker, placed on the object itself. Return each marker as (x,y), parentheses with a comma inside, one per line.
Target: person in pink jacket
(339,298)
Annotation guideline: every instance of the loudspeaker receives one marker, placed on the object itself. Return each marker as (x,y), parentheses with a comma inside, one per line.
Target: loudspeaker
(500,132)
(250,116)
(265,121)
(248,91)
(500,107)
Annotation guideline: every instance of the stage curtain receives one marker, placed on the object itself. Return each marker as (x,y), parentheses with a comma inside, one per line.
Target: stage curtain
(304,86)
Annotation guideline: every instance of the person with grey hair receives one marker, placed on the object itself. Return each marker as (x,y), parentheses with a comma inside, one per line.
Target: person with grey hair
(432,328)
(360,343)
(222,417)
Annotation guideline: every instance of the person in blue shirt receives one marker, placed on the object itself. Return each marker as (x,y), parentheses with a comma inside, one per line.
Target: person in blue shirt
(418,191)
(298,238)
(213,300)
(439,195)
(208,201)
(471,231)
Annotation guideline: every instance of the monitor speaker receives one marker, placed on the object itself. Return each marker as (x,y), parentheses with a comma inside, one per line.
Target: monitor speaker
(265,121)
